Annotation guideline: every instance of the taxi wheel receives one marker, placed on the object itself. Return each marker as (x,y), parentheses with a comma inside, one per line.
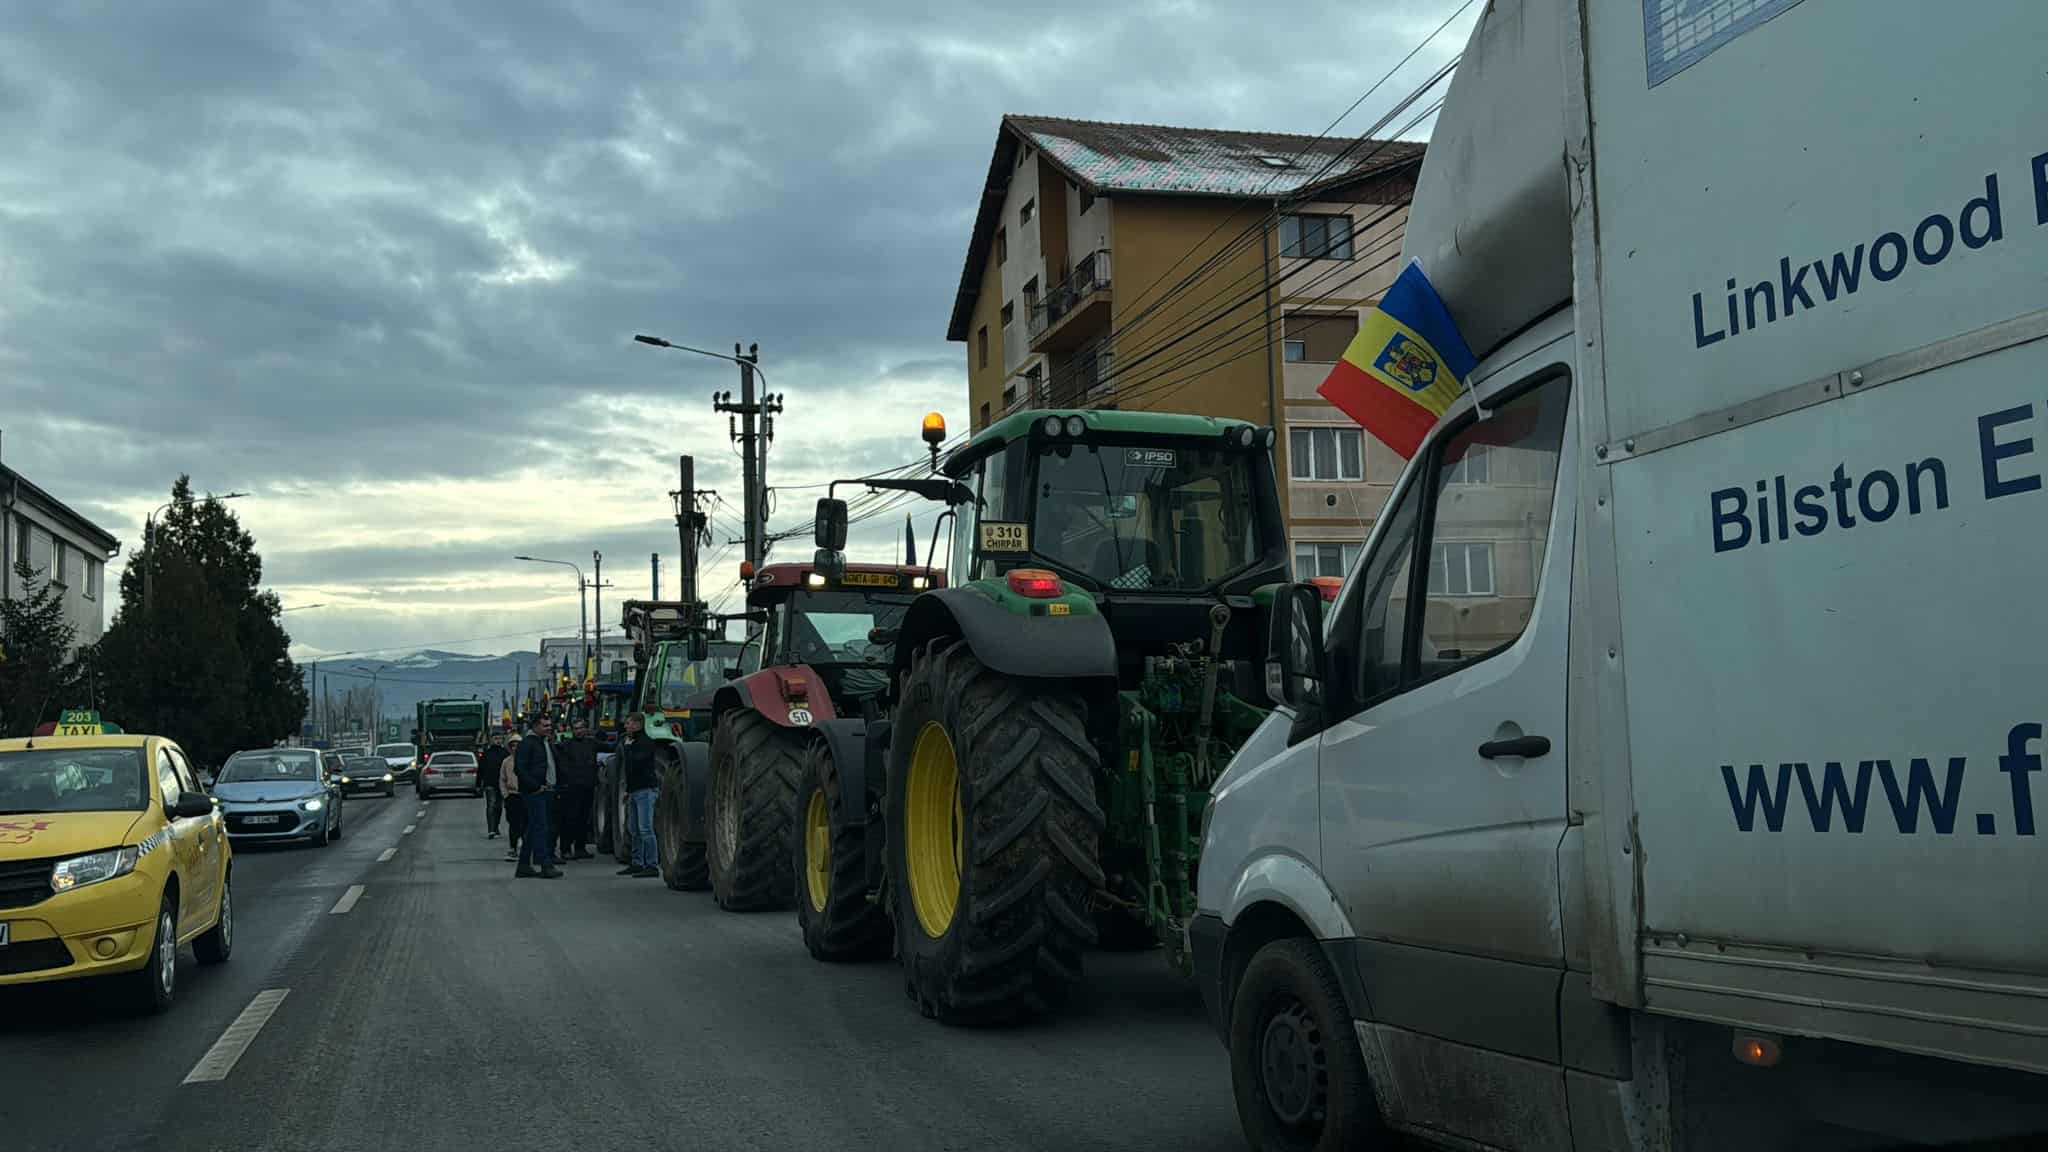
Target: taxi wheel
(154,985)
(216,943)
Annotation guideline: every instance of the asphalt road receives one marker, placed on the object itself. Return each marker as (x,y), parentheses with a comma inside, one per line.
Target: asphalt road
(451,1006)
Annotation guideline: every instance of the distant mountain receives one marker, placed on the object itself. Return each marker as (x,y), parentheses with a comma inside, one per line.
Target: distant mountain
(344,687)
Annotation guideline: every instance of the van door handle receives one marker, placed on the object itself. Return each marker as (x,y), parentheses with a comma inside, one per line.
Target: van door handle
(1527,746)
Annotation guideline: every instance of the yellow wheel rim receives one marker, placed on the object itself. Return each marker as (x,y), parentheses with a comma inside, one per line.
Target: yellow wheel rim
(931,833)
(818,850)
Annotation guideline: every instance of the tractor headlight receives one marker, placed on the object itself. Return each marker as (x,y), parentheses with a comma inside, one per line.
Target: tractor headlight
(919,582)
(92,868)
(1051,425)
(1076,426)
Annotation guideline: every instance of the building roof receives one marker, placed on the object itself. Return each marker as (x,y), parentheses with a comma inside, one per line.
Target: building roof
(17,486)
(1110,160)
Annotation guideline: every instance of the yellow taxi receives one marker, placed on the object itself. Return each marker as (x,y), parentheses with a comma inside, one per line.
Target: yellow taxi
(112,856)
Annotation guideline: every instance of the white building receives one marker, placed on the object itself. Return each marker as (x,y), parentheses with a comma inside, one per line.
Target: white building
(63,547)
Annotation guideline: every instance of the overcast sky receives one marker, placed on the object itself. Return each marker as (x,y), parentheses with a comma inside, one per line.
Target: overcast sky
(379,264)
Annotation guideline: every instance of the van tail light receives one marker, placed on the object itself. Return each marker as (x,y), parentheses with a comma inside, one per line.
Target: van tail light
(1036,584)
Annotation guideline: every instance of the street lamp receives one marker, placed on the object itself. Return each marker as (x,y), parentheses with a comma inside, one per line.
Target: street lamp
(658,342)
(149,540)
(582,617)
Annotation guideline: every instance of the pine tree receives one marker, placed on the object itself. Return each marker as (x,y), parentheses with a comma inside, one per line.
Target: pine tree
(36,667)
(205,660)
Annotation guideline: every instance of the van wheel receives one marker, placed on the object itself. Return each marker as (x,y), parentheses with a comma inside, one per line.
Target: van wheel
(216,943)
(154,986)
(1295,1067)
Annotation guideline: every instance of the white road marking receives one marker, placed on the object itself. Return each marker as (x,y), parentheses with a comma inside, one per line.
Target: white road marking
(347,901)
(220,1059)
(407,830)
(423,811)
(385,856)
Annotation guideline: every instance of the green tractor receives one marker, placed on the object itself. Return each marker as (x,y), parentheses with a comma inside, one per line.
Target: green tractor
(1058,711)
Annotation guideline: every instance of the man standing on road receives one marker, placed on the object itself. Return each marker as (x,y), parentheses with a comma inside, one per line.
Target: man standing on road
(515,804)
(538,778)
(578,758)
(488,770)
(639,769)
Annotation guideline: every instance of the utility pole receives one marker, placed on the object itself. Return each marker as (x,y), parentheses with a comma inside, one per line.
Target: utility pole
(654,564)
(597,586)
(753,436)
(689,528)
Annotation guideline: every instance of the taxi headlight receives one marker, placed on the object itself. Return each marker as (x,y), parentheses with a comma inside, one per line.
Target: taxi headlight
(311,805)
(92,868)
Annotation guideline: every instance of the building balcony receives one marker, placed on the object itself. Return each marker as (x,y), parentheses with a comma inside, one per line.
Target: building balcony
(1076,310)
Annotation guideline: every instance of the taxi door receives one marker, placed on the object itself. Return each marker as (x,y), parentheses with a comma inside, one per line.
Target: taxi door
(181,840)
(210,833)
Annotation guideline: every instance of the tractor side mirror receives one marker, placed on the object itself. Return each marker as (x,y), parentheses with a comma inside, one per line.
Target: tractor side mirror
(1294,656)
(829,563)
(830,524)
(732,672)
(700,646)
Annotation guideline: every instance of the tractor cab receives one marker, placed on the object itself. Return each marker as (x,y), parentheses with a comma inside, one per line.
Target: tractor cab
(838,619)
(1156,517)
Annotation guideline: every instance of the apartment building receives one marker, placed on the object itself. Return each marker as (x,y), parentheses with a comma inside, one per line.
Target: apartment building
(64,548)
(1191,270)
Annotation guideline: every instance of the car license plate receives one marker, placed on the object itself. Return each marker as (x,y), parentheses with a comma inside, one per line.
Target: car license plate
(5,928)
(259,820)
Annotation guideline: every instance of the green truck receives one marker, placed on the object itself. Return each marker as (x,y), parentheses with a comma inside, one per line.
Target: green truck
(448,725)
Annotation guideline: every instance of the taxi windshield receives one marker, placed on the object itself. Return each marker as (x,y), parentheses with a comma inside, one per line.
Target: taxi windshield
(72,780)
(251,767)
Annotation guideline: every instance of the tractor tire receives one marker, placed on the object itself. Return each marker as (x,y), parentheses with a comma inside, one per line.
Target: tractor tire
(1122,930)
(749,811)
(622,840)
(682,865)
(992,927)
(830,859)
(601,816)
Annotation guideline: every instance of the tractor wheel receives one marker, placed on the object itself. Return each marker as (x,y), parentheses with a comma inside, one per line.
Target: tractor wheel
(754,771)
(682,865)
(622,820)
(993,834)
(601,816)
(830,858)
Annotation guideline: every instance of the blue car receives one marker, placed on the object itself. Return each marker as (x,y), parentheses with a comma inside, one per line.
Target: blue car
(279,794)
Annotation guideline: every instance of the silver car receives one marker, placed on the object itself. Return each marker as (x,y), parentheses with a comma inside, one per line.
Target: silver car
(281,794)
(449,772)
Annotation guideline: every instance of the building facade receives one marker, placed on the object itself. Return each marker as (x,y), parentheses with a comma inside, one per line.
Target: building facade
(64,548)
(1189,270)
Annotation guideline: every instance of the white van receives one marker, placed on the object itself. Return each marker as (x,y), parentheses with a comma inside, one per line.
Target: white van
(1667,772)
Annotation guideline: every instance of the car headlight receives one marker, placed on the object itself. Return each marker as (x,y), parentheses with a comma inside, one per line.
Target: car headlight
(346,780)
(92,868)
(387,777)
(311,805)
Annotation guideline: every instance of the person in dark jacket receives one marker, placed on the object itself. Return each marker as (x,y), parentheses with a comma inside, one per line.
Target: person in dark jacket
(578,759)
(487,780)
(535,766)
(639,768)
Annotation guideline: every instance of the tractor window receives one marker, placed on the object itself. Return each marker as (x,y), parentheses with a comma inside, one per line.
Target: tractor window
(1144,519)
(683,677)
(831,627)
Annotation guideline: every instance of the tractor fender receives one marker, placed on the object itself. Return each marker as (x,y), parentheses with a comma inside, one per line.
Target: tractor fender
(768,692)
(847,742)
(1045,647)
(696,773)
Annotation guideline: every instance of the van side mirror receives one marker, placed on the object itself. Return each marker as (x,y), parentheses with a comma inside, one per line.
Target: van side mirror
(830,524)
(1294,655)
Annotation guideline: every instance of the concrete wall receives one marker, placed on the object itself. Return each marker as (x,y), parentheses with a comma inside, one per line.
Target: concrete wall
(83,576)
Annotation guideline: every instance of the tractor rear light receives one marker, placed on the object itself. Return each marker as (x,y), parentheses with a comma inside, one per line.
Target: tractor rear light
(1036,584)
(1328,586)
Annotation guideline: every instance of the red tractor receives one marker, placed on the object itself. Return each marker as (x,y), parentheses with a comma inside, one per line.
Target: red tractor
(824,646)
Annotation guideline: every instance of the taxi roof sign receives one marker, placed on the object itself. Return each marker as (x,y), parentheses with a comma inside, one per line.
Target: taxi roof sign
(78,722)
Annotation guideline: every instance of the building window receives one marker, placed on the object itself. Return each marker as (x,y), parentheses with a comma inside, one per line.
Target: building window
(1295,351)
(20,540)
(981,345)
(1087,201)
(984,415)
(1326,454)
(1024,213)
(59,561)
(1461,570)
(1034,385)
(1316,236)
(1009,395)
(1474,467)
(1314,558)
(1009,314)
(92,578)
(1002,246)
(1323,336)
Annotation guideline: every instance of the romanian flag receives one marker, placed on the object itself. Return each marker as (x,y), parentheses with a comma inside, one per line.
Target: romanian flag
(1405,366)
